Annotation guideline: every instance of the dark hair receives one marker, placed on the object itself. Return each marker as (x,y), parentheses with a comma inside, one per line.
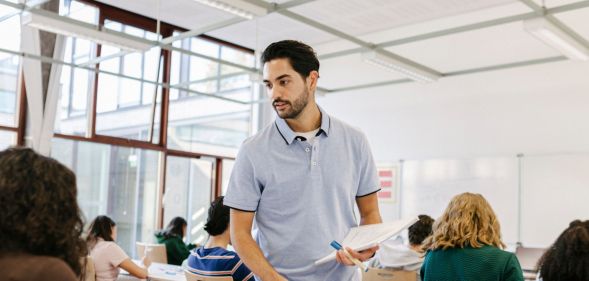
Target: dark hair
(420,230)
(174,228)
(301,56)
(218,219)
(39,213)
(568,257)
(101,227)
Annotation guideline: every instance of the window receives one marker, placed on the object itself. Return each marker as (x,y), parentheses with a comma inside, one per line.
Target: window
(7,138)
(124,103)
(188,193)
(227,168)
(9,68)
(200,123)
(115,181)
(77,84)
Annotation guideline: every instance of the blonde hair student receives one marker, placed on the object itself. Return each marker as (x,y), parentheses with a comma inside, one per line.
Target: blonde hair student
(466,244)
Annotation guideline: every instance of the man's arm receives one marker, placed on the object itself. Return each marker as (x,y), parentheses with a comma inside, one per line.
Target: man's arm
(241,238)
(369,214)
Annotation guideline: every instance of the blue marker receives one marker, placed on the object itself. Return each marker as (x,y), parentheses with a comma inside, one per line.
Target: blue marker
(338,247)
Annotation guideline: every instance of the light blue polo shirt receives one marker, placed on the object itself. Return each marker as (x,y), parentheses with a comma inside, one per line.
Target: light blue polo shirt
(303,194)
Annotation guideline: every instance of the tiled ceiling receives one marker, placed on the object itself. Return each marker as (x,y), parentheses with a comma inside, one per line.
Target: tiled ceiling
(377,21)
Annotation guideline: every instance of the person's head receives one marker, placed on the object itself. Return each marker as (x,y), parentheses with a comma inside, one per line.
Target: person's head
(39,213)
(218,220)
(176,227)
(101,227)
(290,71)
(568,257)
(420,230)
(468,220)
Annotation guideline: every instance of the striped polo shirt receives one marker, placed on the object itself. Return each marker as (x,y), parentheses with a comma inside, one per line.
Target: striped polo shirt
(218,262)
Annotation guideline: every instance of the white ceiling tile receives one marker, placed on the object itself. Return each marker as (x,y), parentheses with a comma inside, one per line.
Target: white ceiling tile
(486,47)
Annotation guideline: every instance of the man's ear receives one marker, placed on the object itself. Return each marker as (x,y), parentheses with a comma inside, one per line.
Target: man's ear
(312,80)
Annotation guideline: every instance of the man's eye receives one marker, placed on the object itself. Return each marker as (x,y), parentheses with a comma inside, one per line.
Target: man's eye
(268,86)
(283,82)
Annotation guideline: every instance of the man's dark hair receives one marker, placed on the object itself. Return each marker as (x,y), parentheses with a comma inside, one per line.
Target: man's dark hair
(568,257)
(301,56)
(218,219)
(420,230)
(39,212)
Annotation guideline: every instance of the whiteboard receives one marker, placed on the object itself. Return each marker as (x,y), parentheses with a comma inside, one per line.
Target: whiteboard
(427,187)
(555,191)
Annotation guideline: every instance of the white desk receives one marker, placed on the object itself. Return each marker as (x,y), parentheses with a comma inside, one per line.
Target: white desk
(157,272)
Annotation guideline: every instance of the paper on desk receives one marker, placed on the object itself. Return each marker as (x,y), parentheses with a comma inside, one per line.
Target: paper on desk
(366,236)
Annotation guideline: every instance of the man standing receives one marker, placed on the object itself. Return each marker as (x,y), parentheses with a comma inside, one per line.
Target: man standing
(299,179)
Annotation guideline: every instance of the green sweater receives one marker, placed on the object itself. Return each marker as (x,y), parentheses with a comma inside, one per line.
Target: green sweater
(176,250)
(487,263)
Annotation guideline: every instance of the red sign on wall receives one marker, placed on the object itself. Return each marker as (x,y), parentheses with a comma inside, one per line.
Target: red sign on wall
(387,177)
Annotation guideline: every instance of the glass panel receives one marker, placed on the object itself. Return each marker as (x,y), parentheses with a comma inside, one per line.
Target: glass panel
(115,181)
(124,104)
(79,11)
(204,124)
(76,84)
(226,172)
(188,194)
(9,67)
(238,56)
(208,125)
(7,138)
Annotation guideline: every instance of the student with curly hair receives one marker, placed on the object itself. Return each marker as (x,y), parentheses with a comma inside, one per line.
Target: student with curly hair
(213,259)
(466,245)
(107,255)
(40,221)
(568,258)
(172,236)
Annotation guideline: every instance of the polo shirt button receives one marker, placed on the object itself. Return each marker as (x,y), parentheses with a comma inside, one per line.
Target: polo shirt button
(307,149)
(314,163)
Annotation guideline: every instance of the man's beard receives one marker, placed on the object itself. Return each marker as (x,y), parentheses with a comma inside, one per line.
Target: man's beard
(295,108)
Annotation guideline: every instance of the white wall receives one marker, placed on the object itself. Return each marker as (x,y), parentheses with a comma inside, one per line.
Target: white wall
(533,110)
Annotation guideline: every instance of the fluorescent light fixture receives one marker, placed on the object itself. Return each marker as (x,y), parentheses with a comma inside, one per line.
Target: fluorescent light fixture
(554,36)
(236,7)
(55,23)
(402,66)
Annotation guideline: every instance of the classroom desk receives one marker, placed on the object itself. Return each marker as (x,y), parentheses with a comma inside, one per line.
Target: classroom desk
(157,272)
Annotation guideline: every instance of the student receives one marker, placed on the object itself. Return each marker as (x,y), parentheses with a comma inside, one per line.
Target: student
(300,179)
(568,258)
(213,259)
(466,245)
(107,255)
(172,237)
(40,222)
(394,255)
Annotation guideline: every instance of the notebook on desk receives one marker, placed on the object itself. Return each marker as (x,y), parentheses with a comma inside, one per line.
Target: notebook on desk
(367,236)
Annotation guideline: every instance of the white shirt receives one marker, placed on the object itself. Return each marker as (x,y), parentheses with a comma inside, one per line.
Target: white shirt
(310,136)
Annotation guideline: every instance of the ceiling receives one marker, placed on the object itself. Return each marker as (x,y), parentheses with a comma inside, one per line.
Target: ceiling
(378,21)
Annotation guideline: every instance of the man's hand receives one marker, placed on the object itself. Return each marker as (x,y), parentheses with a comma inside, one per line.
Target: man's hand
(362,256)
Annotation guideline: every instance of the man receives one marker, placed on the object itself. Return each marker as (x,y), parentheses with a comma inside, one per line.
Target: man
(299,178)
(394,255)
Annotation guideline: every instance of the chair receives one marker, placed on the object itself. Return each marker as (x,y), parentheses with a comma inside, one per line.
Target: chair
(89,273)
(377,274)
(528,258)
(155,252)
(197,277)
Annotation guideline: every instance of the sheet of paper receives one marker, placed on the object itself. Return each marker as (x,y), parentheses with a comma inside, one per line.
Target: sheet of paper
(366,236)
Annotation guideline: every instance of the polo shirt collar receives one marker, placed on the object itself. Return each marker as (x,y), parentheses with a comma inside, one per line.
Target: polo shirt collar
(289,135)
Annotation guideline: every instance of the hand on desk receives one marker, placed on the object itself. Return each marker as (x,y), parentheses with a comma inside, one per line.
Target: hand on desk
(362,256)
